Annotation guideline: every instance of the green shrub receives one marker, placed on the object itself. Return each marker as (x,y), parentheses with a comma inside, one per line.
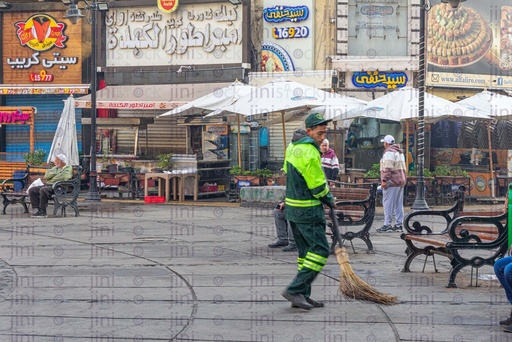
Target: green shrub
(164,161)
(374,172)
(35,158)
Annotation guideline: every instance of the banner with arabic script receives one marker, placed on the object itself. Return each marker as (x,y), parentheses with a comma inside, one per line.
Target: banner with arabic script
(41,49)
(196,34)
(288,35)
(378,79)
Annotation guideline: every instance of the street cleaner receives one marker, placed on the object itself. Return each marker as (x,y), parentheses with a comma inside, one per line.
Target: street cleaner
(306,192)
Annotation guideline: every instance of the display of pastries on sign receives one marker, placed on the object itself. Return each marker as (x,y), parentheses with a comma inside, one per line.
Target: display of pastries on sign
(456,37)
(506,38)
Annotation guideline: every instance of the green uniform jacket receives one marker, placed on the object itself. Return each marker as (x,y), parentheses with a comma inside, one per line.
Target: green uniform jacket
(306,188)
(55,174)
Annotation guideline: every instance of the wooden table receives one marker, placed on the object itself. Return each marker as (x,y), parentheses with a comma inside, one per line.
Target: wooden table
(178,188)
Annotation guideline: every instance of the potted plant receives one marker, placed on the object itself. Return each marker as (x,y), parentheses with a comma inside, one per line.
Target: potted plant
(164,161)
(373,174)
(256,177)
(104,164)
(37,157)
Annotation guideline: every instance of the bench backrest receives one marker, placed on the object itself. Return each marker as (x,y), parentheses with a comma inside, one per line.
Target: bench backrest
(35,172)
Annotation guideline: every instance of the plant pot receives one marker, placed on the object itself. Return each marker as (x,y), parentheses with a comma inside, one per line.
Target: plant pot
(254,180)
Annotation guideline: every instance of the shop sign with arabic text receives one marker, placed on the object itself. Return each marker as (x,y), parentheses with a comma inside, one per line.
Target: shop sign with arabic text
(17,117)
(37,49)
(375,79)
(196,34)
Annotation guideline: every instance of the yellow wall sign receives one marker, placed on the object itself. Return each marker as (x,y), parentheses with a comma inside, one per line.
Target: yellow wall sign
(167,6)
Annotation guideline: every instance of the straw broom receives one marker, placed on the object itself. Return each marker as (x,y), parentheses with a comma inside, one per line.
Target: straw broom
(351,286)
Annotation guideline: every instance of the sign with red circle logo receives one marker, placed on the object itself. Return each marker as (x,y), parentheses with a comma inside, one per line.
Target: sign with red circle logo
(41,32)
(168,6)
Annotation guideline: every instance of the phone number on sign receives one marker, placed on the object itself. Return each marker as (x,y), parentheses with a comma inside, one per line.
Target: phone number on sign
(290,32)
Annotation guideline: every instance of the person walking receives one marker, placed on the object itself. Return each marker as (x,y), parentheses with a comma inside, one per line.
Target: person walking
(503,271)
(306,190)
(330,163)
(393,179)
(285,237)
(39,195)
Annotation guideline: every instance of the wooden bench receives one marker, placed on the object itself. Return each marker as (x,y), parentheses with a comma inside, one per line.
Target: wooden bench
(65,192)
(466,238)
(355,207)
(7,169)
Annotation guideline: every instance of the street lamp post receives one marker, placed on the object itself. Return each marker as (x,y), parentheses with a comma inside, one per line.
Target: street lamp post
(419,202)
(73,13)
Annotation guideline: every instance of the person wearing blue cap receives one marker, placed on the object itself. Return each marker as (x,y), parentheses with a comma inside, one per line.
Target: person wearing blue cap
(306,192)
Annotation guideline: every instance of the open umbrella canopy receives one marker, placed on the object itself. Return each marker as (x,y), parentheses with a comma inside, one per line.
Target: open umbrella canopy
(496,105)
(65,140)
(208,103)
(403,104)
(329,112)
(282,95)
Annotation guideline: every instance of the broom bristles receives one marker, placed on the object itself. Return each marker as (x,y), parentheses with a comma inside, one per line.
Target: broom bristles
(353,287)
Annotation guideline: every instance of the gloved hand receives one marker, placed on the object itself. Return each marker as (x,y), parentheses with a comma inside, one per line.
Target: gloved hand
(328,200)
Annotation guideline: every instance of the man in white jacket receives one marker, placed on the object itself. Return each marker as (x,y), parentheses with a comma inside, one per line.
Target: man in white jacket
(393,179)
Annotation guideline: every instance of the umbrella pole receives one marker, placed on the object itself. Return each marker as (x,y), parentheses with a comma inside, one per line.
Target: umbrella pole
(407,161)
(334,123)
(239,142)
(491,166)
(284,131)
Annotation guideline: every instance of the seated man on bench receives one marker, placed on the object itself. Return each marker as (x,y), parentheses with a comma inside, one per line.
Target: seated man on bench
(39,195)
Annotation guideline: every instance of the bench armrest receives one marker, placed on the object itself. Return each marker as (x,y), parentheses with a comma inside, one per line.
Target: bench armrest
(471,235)
(67,187)
(7,188)
(448,214)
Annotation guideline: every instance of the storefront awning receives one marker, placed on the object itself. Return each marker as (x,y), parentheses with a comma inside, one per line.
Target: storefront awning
(147,97)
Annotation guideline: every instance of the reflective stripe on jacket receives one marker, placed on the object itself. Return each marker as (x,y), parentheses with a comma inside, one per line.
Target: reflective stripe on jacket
(306,187)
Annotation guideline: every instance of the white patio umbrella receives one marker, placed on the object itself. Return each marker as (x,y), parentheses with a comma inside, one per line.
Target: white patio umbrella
(65,140)
(283,96)
(497,106)
(403,104)
(208,103)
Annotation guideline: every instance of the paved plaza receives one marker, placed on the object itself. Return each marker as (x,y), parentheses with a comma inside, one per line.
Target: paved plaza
(135,272)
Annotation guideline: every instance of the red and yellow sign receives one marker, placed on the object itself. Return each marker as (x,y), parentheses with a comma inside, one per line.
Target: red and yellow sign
(167,6)
(41,32)
(41,48)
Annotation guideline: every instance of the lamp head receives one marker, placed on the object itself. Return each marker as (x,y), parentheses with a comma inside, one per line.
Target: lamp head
(453,3)
(73,13)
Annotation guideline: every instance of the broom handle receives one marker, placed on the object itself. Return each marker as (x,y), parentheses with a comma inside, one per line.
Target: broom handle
(335,228)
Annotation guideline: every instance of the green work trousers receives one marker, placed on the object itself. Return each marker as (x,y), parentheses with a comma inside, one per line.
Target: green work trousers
(313,251)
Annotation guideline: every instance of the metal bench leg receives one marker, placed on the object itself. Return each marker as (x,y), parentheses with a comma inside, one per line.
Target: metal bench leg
(351,244)
(476,277)
(433,261)
(424,264)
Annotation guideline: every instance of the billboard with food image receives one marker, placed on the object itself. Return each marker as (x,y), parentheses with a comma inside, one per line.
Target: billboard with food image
(470,46)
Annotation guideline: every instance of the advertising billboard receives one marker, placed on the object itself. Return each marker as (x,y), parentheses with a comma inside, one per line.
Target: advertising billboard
(470,46)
